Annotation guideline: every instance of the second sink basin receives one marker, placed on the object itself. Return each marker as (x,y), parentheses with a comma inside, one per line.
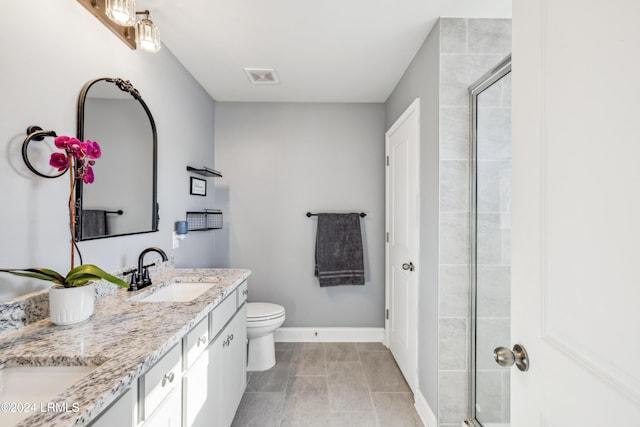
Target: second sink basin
(29,388)
(177,292)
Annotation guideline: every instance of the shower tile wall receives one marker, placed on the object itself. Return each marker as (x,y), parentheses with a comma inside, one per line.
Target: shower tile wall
(468,49)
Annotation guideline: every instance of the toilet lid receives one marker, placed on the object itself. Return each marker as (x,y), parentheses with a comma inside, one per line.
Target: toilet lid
(263,310)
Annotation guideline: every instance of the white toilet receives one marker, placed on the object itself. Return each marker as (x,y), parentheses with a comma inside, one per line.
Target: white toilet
(263,319)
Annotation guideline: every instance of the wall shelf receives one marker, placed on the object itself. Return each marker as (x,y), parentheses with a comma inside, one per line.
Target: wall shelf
(207,219)
(204,171)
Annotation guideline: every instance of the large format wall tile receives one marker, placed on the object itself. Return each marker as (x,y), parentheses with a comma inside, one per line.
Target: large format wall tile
(454,291)
(454,234)
(489,396)
(492,332)
(453,396)
(453,35)
(489,240)
(458,72)
(454,133)
(452,338)
(454,179)
(493,291)
(489,36)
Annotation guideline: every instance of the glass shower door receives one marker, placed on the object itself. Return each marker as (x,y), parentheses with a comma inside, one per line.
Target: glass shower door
(490,245)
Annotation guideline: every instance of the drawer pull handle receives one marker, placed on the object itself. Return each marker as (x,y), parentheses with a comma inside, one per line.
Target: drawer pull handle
(168,378)
(202,340)
(245,292)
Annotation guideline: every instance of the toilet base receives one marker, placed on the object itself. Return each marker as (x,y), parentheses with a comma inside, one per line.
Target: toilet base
(262,353)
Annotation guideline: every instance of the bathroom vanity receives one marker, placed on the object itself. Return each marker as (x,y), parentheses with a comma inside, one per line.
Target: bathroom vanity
(150,360)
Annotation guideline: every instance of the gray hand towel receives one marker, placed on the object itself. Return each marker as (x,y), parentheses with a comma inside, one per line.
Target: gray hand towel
(339,253)
(94,223)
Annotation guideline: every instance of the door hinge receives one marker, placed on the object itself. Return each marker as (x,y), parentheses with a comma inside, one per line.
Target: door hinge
(387,160)
(387,237)
(387,313)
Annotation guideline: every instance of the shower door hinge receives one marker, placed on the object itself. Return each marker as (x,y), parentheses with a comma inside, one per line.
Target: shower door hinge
(387,160)
(387,313)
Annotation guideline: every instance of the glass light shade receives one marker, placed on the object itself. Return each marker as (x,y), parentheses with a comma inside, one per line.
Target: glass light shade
(147,36)
(122,12)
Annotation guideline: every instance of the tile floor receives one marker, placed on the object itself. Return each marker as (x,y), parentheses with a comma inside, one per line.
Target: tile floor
(328,384)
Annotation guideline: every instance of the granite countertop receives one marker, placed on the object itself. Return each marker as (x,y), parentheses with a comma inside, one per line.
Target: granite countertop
(123,338)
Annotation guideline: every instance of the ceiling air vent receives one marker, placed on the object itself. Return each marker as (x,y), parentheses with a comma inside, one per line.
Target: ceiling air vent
(262,76)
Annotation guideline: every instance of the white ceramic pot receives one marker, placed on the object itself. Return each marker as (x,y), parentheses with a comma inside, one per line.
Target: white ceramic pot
(71,305)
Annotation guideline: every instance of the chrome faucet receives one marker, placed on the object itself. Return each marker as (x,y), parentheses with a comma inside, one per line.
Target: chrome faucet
(141,278)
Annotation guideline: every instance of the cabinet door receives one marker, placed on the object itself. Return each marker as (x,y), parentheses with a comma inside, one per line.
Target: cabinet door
(169,413)
(122,413)
(233,366)
(201,390)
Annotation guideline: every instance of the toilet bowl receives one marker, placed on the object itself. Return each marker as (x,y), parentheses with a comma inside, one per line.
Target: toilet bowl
(262,320)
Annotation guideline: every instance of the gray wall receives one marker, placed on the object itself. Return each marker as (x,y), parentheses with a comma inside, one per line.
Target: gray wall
(455,54)
(421,80)
(281,160)
(44,64)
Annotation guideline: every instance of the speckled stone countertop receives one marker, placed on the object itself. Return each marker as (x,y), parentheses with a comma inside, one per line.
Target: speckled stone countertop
(123,337)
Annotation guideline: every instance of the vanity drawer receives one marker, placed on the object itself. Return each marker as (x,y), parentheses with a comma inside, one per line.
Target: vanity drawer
(243,292)
(163,377)
(221,314)
(195,342)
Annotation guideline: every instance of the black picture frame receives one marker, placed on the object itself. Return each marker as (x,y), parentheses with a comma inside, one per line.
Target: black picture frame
(198,187)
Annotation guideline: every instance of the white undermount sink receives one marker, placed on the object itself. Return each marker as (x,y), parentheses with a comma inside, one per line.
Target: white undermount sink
(25,390)
(178,292)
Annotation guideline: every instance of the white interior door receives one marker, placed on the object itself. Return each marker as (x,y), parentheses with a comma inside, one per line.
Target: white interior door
(576,212)
(402,141)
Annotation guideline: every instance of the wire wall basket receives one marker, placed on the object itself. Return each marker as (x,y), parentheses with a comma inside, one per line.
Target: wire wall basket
(208,219)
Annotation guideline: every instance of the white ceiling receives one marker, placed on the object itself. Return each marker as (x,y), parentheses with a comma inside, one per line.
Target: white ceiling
(322,51)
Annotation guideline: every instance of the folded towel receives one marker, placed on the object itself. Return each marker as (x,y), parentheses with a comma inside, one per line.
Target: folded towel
(94,223)
(339,253)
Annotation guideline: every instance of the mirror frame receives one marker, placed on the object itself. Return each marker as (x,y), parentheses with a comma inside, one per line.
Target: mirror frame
(125,86)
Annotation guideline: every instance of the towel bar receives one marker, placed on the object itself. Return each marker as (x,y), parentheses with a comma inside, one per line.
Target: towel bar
(309,214)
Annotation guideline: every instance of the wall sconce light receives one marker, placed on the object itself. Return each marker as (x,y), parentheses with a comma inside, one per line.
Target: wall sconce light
(120,17)
(147,34)
(122,12)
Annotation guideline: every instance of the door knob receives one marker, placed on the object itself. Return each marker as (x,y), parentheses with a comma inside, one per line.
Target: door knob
(408,266)
(505,357)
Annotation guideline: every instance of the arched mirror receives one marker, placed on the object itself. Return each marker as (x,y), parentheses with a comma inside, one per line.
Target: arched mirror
(123,198)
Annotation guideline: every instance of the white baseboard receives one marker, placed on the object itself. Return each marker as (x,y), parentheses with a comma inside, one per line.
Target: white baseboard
(329,335)
(424,410)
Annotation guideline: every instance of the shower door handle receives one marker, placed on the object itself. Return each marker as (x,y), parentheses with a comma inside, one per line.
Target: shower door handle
(408,266)
(505,357)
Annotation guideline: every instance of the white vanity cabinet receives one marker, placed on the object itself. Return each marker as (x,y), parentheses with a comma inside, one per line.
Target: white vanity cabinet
(122,412)
(213,385)
(159,388)
(199,382)
(232,345)
(168,413)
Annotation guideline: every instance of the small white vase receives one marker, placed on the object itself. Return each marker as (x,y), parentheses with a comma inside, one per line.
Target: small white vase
(71,305)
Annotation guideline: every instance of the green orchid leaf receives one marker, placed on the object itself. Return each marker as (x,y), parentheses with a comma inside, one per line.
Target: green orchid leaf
(83,272)
(35,273)
(47,271)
